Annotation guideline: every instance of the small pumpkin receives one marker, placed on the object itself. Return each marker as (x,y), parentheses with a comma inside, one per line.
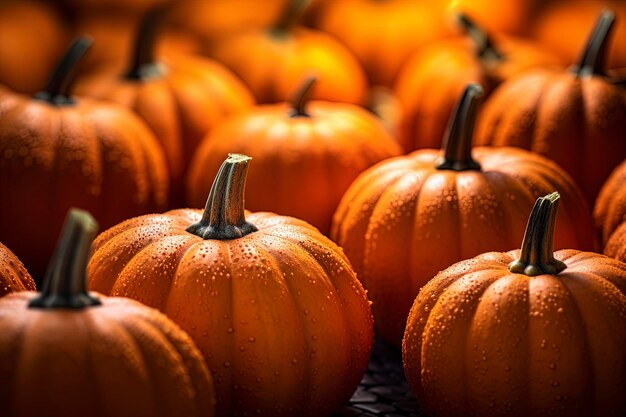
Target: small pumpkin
(274,306)
(429,83)
(306,155)
(528,333)
(69,352)
(60,151)
(273,61)
(407,218)
(13,276)
(575,118)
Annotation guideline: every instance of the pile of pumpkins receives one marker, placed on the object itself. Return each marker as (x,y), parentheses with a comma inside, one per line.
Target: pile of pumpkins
(347,127)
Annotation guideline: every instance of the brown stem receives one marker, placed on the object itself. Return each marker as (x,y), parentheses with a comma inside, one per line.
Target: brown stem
(484,44)
(537,254)
(224,216)
(57,91)
(65,284)
(594,56)
(457,148)
(143,62)
(291,13)
(301,98)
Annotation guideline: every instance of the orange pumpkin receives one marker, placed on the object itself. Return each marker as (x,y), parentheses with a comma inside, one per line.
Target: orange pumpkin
(273,61)
(180,98)
(306,155)
(575,118)
(274,306)
(510,16)
(409,217)
(527,333)
(13,276)
(610,207)
(68,352)
(432,79)
(616,245)
(60,151)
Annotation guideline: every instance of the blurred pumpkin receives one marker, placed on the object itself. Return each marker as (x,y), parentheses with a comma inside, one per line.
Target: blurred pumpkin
(13,276)
(432,79)
(82,8)
(60,151)
(509,16)
(575,118)
(306,155)
(274,306)
(66,352)
(527,333)
(273,61)
(407,218)
(610,208)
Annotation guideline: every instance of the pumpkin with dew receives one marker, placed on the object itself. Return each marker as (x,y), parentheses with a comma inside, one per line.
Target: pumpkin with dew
(526,333)
(610,208)
(181,98)
(68,352)
(58,151)
(13,276)
(273,61)
(432,79)
(407,218)
(274,306)
(306,155)
(575,118)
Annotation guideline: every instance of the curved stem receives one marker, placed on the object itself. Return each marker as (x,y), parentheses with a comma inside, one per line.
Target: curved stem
(484,44)
(59,85)
(290,15)
(65,285)
(537,254)
(301,98)
(457,148)
(594,55)
(143,63)
(224,216)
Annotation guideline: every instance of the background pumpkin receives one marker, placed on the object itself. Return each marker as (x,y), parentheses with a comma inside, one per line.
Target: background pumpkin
(306,155)
(407,218)
(274,306)
(524,333)
(13,276)
(610,208)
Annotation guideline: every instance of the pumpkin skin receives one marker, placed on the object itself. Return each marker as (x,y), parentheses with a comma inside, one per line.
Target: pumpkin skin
(484,341)
(610,207)
(60,152)
(83,353)
(405,219)
(13,276)
(283,323)
(616,245)
(304,160)
(575,118)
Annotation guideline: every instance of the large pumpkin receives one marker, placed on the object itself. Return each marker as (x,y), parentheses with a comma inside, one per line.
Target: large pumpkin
(575,118)
(527,333)
(67,352)
(13,276)
(274,306)
(409,217)
(306,155)
(59,151)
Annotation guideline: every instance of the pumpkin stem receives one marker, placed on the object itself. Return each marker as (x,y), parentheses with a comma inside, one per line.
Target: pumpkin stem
(457,148)
(484,44)
(301,98)
(594,55)
(224,216)
(143,63)
(65,285)
(537,254)
(57,91)
(291,13)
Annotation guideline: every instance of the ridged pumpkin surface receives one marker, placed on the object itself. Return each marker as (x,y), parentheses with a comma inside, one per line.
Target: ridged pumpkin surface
(13,276)
(610,208)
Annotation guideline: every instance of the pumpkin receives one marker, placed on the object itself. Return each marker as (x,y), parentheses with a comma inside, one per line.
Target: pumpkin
(59,151)
(407,218)
(273,61)
(610,207)
(510,16)
(432,79)
(69,352)
(527,333)
(13,276)
(616,244)
(306,155)
(180,98)
(575,118)
(32,37)
(274,306)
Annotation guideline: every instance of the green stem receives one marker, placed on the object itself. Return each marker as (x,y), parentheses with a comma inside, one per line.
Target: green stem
(537,254)
(143,62)
(224,217)
(57,91)
(291,13)
(594,56)
(301,98)
(65,285)
(484,44)
(457,148)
